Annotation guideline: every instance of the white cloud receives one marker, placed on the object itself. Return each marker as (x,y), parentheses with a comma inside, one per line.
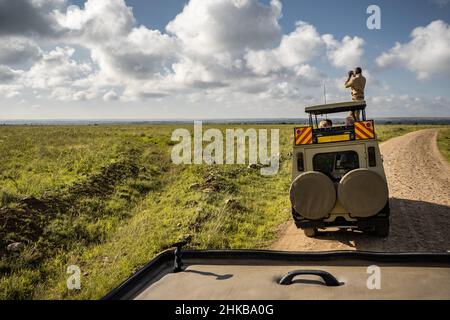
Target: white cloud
(194,73)
(216,26)
(110,96)
(300,46)
(18,50)
(303,45)
(296,48)
(98,22)
(427,54)
(59,72)
(230,52)
(213,38)
(8,75)
(228,48)
(347,53)
(30,17)
(206,47)
(126,55)
(407,106)
(143,53)
(10,90)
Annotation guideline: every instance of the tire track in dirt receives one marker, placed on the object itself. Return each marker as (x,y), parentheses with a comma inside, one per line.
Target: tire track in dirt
(419,186)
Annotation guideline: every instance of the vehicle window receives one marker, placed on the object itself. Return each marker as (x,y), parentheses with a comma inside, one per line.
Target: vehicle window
(336,164)
(300,162)
(372,157)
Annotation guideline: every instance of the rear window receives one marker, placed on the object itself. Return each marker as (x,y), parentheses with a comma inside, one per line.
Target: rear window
(336,164)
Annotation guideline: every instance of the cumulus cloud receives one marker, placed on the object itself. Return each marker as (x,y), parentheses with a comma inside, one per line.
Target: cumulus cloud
(20,17)
(217,48)
(124,53)
(347,53)
(59,72)
(303,45)
(10,90)
(296,48)
(18,50)
(407,105)
(205,47)
(57,69)
(98,22)
(142,54)
(8,75)
(227,25)
(110,96)
(426,54)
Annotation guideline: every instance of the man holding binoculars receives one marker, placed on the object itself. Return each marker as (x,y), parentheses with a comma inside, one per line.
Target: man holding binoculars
(357,82)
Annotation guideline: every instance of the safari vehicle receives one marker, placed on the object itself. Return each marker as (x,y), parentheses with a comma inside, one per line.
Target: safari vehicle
(338,179)
(326,163)
(263,275)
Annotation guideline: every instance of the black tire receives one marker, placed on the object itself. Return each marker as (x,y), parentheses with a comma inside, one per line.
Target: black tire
(382,231)
(310,232)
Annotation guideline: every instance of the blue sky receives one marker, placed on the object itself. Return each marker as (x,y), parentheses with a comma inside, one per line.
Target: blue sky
(97,62)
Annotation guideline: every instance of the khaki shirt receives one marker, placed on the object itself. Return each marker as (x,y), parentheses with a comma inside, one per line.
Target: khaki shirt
(357,83)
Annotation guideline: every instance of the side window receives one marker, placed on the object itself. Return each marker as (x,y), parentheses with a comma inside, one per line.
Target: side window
(300,162)
(336,164)
(372,157)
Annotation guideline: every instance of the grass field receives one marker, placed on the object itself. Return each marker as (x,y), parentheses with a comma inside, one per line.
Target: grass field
(108,198)
(444,142)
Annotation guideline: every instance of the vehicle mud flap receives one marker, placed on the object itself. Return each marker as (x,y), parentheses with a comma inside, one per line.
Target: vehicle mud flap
(363,193)
(312,195)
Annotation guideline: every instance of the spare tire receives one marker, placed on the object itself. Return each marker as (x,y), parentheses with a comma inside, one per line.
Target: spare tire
(313,195)
(363,193)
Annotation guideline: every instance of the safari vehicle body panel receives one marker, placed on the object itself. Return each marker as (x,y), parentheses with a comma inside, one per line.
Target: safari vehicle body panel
(325,160)
(260,274)
(360,147)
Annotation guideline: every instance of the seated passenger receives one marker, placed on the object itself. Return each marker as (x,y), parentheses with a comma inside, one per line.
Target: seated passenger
(349,121)
(325,124)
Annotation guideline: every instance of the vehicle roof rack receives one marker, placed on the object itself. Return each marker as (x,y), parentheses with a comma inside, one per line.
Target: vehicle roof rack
(336,107)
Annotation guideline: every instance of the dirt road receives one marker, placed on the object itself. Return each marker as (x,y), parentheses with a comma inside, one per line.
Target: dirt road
(419,186)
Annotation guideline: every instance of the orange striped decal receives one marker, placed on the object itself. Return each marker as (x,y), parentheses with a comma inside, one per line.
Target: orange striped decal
(303,136)
(364,130)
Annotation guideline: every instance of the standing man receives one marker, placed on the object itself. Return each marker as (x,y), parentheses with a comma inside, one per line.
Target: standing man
(357,82)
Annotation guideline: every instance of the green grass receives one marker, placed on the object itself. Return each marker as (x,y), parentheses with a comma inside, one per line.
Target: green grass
(108,199)
(444,142)
(386,132)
